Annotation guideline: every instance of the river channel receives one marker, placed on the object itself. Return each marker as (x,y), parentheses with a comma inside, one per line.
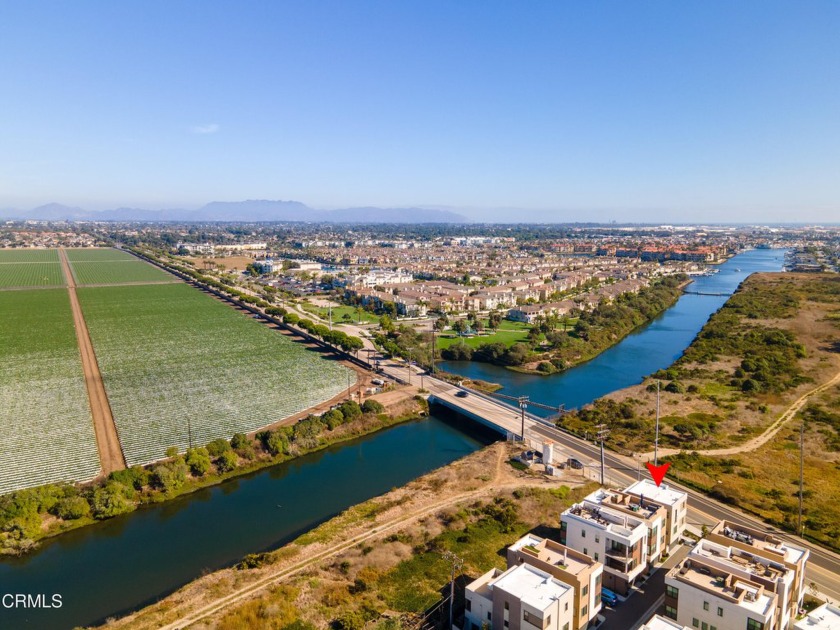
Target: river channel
(121,564)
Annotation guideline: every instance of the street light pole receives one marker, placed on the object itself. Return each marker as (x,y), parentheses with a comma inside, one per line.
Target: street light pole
(801,470)
(603,432)
(656,439)
(457,563)
(523,405)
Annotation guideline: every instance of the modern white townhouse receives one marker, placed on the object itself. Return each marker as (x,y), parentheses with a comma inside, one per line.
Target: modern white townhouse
(675,503)
(520,598)
(572,567)
(609,534)
(720,586)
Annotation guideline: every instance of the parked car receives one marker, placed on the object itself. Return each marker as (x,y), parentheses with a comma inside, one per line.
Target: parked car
(608,597)
(377,381)
(461,393)
(575,463)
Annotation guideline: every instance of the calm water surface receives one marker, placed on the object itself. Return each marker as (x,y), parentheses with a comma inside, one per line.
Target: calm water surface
(121,564)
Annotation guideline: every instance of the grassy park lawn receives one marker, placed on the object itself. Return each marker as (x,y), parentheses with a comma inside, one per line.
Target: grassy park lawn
(339,312)
(509,333)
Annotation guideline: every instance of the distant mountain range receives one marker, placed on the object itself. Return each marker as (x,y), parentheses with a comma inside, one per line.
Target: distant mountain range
(241,211)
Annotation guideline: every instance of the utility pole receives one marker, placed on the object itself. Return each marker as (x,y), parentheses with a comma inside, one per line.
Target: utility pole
(801,471)
(457,563)
(656,439)
(523,405)
(189,435)
(409,368)
(434,343)
(602,434)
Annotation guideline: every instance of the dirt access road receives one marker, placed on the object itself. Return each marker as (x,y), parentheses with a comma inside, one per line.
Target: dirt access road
(107,441)
(765,437)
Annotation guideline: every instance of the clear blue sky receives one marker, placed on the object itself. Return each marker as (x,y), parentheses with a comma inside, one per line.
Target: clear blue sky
(574,110)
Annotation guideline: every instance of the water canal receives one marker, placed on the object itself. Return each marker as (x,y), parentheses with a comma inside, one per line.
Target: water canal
(122,564)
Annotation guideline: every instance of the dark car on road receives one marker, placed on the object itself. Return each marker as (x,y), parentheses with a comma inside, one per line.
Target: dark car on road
(461,393)
(575,463)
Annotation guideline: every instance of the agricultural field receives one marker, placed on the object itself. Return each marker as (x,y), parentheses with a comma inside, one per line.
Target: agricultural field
(174,359)
(25,268)
(111,266)
(47,431)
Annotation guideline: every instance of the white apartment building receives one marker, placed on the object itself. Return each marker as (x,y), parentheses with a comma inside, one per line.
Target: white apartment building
(571,567)
(718,588)
(610,536)
(521,598)
(675,503)
(766,545)
(658,622)
(826,617)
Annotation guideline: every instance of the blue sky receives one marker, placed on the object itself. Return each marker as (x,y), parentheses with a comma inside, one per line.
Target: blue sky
(570,110)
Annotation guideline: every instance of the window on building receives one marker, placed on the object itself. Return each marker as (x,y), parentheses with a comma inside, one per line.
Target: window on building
(672,591)
(596,557)
(670,612)
(566,609)
(585,590)
(712,627)
(507,624)
(547,622)
(490,616)
(705,605)
(597,538)
(585,552)
(507,605)
(720,611)
(584,610)
(566,626)
(583,533)
(598,579)
(468,605)
(704,626)
(752,624)
(694,622)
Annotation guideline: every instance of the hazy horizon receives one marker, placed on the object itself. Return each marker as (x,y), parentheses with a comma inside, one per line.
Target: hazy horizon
(655,112)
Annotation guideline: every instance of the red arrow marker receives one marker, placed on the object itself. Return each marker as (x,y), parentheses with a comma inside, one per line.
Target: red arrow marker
(658,472)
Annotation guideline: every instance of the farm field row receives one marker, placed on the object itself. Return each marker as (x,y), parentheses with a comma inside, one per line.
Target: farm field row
(47,431)
(96,254)
(175,360)
(28,255)
(30,275)
(111,266)
(117,272)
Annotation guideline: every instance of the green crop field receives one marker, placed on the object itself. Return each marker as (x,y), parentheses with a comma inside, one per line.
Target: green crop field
(47,432)
(28,255)
(174,359)
(97,254)
(118,272)
(112,266)
(22,268)
(30,275)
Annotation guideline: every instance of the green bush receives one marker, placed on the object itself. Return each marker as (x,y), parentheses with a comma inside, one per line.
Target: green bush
(227,461)
(217,447)
(198,460)
(72,508)
(372,406)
